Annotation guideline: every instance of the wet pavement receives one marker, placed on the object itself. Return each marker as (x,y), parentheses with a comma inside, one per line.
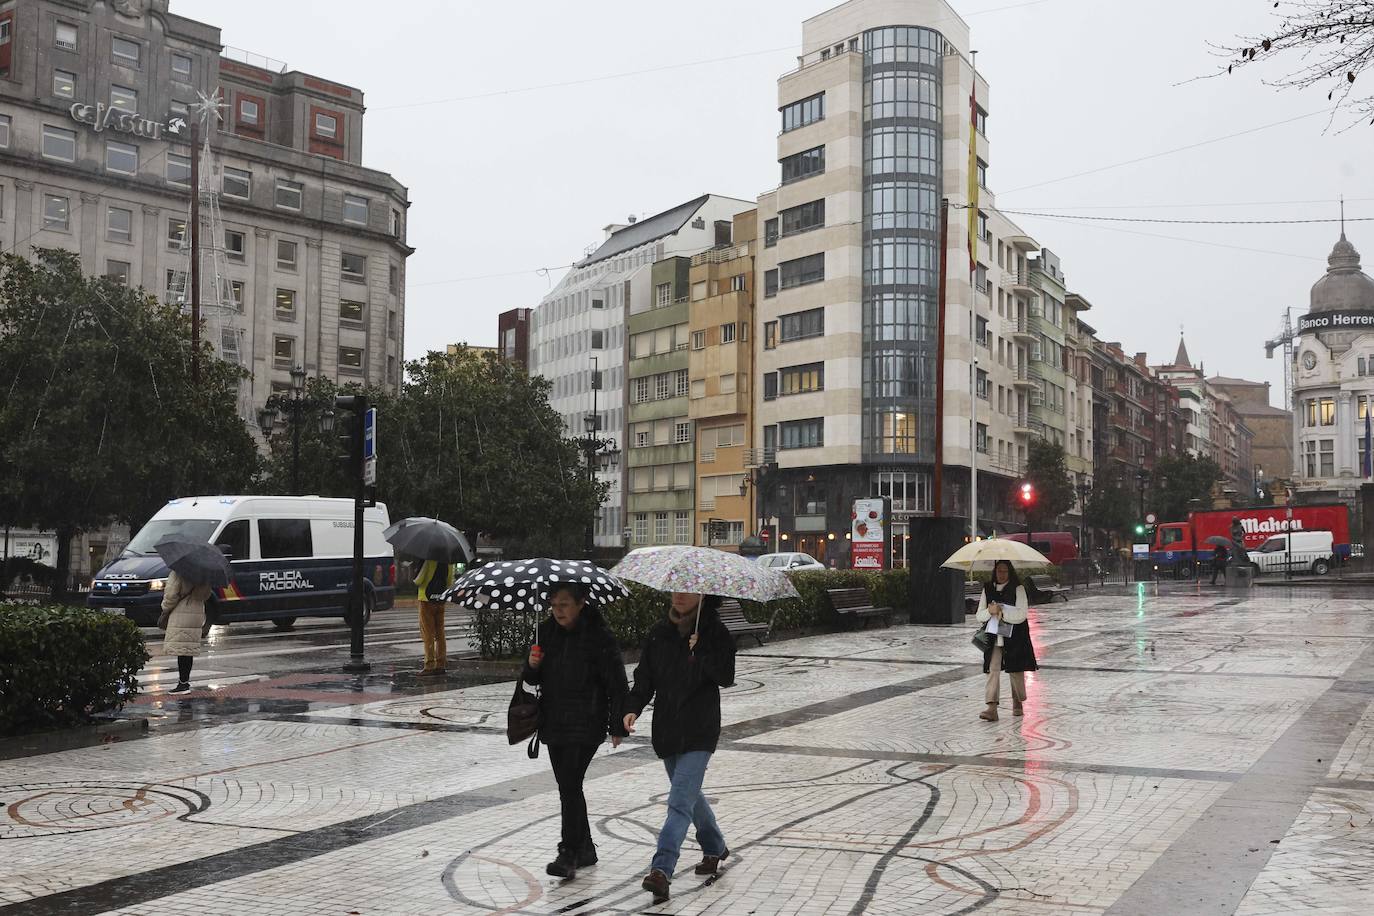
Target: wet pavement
(1184,750)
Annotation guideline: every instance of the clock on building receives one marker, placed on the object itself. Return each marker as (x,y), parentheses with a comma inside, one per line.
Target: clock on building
(1309,360)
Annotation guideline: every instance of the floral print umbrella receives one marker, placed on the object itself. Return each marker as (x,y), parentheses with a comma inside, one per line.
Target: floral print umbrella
(704,571)
(522,585)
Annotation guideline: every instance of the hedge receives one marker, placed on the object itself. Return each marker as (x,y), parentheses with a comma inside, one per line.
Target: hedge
(505,635)
(61,665)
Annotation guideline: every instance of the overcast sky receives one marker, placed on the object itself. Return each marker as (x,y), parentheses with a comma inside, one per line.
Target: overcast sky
(509,172)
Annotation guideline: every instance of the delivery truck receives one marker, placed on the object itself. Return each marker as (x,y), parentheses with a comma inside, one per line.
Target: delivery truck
(1179,546)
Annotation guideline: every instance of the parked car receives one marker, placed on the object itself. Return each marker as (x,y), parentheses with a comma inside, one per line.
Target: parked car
(1057,546)
(791,562)
(1312,551)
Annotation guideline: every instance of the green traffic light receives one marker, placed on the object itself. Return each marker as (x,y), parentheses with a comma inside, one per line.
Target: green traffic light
(1139,529)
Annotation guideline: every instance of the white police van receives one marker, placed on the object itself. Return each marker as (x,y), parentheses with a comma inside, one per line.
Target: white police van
(292,556)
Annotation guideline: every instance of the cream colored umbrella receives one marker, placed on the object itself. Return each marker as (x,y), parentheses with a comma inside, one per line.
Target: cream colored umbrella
(985,554)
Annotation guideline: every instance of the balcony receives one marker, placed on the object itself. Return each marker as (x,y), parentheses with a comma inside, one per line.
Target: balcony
(1019,328)
(720,255)
(1007,467)
(1020,378)
(1022,242)
(1023,425)
(1018,281)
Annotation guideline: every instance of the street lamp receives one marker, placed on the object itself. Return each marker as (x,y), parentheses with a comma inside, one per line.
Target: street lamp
(295,405)
(1085,489)
(593,445)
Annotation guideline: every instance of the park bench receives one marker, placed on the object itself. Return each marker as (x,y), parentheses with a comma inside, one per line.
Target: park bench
(854,604)
(1047,586)
(972,592)
(732,615)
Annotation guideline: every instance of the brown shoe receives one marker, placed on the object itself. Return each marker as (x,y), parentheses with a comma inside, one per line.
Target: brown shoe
(656,883)
(710,865)
(1016,708)
(989,714)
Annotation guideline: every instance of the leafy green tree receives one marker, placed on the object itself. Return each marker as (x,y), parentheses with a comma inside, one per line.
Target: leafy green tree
(321,469)
(1054,492)
(475,443)
(100,421)
(1110,506)
(1179,479)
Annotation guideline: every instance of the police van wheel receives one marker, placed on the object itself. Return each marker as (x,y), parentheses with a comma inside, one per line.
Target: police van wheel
(284,623)
(369,604)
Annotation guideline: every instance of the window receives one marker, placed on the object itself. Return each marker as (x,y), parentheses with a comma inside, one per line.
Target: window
(801,271)
(1310,414)
(770,386)
(803,218)
(980,329)
(770,335)
(355,210)
(233,245)
(176,233)
(118,271)
(982,174)
(698,340)
(391,324)
(641,528)
(237,183)
(727,333)
(800,325)
(738,283)
(59,144)
(981,440)
(1327,407)
(802,379)
(682,528)
(660,527)
(396,223)
(682,432)
(125,52)
(393,281)
(56,212)
(181,68)
(64,84)
(662,386)
(119,224)
(284,352)
(178,169)
(234,294)
(350,311)
(286,255)
(681,383)
(770,283)
(351,359)
(4,131)
(249,112)
(281,538)
(1310,456)
(598,340)
(286,304)
(641,390)
(981,384)
(353,266)
(770,233)
(124,98)
(663,295)
(326,125)
(983,232)
(288,196)
(980,120)
(803,165)
(65,36)
(807,111)
(1328,458)
(802,434)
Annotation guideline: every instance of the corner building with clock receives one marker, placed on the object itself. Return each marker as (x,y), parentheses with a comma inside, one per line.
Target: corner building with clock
(93,160)
(1333,386)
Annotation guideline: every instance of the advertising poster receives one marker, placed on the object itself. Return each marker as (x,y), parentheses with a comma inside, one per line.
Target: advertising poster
(868,537)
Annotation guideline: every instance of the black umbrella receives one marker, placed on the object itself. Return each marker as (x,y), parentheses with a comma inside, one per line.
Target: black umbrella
(1219,541)
(428,539)
(198,562)
(521,585)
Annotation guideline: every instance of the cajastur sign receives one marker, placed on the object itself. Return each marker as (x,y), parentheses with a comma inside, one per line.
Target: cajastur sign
(1336,320)
(102,117)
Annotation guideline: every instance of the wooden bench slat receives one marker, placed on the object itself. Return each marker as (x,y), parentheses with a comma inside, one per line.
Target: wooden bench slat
(732,615)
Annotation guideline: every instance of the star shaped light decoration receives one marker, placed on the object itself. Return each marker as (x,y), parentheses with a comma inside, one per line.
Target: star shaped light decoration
(207,106)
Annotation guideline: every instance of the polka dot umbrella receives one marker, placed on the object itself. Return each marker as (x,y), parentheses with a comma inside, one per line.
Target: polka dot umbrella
(522,585)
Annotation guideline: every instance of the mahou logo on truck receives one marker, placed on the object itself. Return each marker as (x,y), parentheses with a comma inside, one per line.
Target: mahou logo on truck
(1270,525)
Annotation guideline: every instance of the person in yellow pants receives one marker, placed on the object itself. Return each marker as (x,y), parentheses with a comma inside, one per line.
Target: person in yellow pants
(434,579)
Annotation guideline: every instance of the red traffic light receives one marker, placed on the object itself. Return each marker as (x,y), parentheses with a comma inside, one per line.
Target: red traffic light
(1027,494)
(765,535)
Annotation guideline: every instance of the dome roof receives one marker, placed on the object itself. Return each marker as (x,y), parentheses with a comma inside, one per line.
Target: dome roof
(1345,286)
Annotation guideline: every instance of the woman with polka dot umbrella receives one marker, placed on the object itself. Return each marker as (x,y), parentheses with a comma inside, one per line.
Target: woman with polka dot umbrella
(522,585)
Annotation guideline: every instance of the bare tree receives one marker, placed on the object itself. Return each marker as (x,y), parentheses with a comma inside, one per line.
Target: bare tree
(1332,42)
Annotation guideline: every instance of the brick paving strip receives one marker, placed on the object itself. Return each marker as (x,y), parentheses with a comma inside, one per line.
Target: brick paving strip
(1210,867)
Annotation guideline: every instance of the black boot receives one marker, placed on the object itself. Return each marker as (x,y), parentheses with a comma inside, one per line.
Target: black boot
(586,855)
(564,865)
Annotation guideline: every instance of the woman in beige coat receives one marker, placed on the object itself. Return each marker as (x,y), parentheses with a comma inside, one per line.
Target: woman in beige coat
(183,617)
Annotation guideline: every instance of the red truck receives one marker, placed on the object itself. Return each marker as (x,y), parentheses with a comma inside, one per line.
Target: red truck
(1178,544)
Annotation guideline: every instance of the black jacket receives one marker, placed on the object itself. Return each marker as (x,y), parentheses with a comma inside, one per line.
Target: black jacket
(1018,652)
(684,685)
(582,682)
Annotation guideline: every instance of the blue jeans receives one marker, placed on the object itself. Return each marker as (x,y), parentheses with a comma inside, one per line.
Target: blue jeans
(686,805)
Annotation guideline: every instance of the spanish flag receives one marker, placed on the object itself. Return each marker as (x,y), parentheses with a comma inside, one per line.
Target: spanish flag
(229,593)
(973,175)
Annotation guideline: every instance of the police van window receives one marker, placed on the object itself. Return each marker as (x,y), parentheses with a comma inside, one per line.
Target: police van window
(235,537)
(284,537)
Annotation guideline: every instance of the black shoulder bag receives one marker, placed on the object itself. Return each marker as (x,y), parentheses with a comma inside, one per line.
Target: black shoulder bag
(522,718)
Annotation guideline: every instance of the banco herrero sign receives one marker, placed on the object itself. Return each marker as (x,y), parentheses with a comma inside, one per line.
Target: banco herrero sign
(102,117)
(1337,320)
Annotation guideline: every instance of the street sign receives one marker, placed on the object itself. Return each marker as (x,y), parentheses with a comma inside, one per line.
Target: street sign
(370,472)
(1150,519)
(370,434)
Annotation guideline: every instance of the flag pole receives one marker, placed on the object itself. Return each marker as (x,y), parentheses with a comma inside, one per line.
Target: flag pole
(972,216)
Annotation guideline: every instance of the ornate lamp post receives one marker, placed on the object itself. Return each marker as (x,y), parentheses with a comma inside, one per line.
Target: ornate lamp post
(593,445)
(295,406)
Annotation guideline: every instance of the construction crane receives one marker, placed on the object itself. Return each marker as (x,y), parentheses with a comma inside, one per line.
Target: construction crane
(1284,339)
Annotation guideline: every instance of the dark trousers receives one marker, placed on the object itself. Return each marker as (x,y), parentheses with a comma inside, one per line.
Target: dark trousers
(1218,569)
(570,762)
(184,668)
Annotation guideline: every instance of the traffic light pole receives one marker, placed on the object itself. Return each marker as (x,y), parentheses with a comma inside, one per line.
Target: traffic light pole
(357,405)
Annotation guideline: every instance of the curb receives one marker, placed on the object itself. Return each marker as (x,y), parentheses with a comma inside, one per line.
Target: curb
(71,738)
